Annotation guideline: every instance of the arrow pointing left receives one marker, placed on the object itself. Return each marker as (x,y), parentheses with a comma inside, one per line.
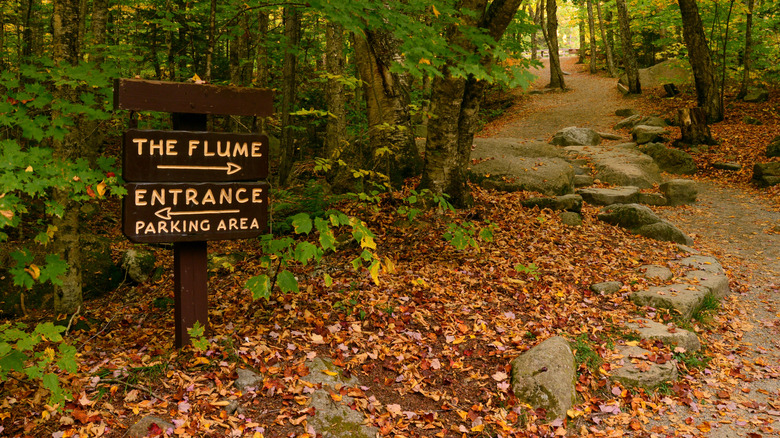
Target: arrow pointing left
(166,212)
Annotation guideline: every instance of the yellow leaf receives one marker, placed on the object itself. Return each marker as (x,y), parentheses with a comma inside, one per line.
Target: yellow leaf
(29,169)
(374,271)
(101,188)
(435,11)
(49,353)
(8,214)
(330,373)
(389,266)
(425,61)
(478,428)
(367,242)
(34,271)
(632,343)
(51,230)
(574,414)
(200,360)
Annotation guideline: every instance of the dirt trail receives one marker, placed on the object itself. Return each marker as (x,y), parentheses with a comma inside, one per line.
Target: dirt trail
(740,395)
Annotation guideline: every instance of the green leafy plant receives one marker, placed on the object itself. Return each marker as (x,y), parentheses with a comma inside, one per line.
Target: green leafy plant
(38,355)
(585,354)
(531,270)
(197,336)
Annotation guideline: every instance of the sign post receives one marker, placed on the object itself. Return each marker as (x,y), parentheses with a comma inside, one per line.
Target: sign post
(188,186)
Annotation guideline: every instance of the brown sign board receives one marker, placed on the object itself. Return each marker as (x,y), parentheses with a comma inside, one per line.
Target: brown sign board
(191,98)
(189,212)
(185,156)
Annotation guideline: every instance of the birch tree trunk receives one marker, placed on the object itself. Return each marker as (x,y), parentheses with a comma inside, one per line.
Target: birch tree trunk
(607,45)
(592,34)
(455,103)
(629,57)
(66,243)
(707,90)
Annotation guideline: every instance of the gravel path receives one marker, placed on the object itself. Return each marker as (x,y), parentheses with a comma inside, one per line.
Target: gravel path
(740,395)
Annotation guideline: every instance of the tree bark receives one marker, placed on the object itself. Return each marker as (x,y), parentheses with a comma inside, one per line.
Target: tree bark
(707,92)
(336,129)
(392,149)
(607,46)
(592,33)
(211,41)
(694,127)
(292,34)
(583,42)
(629,57)
(66,243)
(455,103)
(98,30)
(556,74)
(746,59)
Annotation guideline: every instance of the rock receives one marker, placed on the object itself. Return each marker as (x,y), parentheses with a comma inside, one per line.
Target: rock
(628,122)
(669,159)
(636,370)
(574,136)
(653,121)
(141,429)
(702,263)
(672,71)
(664,231)
(606,287)
(247,379)
(599,196)
(652,272)
(622,88)
(668,334)
(645,133)
(582,180)
(138,265)
(734,167)
(544,377)
(569,202)
(609,136)
(631,216)
(718,284)
(679,191)
(682,297)
(656,199)
(571,218)
(687,249)
(773,150)
(334,419)
(756,95)
(513,165)
(622,165)
(626,112)
(767,174)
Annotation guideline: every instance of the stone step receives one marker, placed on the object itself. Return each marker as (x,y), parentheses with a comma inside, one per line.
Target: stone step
(633,367)
(668,334)
(682,297)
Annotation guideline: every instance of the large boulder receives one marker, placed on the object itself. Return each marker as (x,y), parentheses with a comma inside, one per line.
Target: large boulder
(669,159)
(756,95)
(570,202)
(767,174)
(622,165)
(679,192)
(672,71)
(138,264)
(574,136)
(544,377)
(641,220)
(645,133)
(773,150)
(511,165)
(604,196)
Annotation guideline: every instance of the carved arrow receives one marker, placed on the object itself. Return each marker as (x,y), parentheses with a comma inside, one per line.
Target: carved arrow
(231,168)
(166,212)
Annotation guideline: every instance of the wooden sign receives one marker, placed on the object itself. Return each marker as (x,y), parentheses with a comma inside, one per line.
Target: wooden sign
(190,98)
(188,212)
(181,156)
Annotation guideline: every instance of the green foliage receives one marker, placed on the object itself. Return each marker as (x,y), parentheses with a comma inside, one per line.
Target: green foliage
(197,336)
(38,355)
(531,270)
(692,360)
(585,354)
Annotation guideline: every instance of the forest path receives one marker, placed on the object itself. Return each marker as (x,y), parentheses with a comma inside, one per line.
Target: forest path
(739,393)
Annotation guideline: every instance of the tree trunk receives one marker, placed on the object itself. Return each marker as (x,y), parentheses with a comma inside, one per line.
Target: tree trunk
(66,243)
(391,138)
(292,35)
(629,57)
(592,33)
(607,46)
(262,74)
(98,30)
(537,14)
(583,42)
(455,103)
(211,41)
(336,130)
(707,93)
(694,127)
(746,61)
(556,74)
